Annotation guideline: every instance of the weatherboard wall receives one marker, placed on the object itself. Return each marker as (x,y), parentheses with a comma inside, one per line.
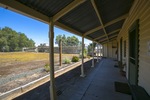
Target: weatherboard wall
(109,49)
(140,10)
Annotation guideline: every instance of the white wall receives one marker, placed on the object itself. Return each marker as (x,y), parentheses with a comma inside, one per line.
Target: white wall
(109,49)
(140,10)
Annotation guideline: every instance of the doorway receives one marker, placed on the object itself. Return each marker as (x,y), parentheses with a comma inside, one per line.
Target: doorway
(133,53)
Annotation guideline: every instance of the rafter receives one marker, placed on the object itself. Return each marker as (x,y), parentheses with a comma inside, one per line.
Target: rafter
(99,17)
(114,38)
(109,37)
(107,41)
(93,30)
(100,37)
(22,9)
(64,27)
(108,34)
(107,24)
(60,25)
(116,20)
(118,30)
(68,8)
(103,41)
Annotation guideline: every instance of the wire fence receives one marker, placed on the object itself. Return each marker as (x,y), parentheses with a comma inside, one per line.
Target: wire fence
(65,49)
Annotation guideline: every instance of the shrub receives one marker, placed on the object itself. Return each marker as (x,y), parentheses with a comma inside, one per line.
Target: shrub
(75,59)
(84,53)
(67,61)
(88,57)
(47,68)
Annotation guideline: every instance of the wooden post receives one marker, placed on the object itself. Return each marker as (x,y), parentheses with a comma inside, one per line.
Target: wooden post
(51,60)
(97,52)
(82,67)
(100,50)
(60,52)
(103,50)
(92,54)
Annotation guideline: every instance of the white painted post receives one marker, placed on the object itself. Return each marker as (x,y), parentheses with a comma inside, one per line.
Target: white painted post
(51,60)
(100,50)
(82,69)
(60,52)
(97,52)
(92,54)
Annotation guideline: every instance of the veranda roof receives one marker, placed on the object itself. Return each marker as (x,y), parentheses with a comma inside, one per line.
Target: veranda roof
(97,20)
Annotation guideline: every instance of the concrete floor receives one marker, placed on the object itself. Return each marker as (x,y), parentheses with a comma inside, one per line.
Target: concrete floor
(97,85)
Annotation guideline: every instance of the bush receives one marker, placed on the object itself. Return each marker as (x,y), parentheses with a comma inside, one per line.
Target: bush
(84,53)
(75,59)
(47,68)
(88,57)
(67,61)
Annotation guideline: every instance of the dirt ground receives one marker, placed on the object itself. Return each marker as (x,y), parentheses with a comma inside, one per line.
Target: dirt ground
(19,67)
(17,63)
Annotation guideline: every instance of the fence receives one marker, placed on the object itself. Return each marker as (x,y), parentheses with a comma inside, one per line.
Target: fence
(65,49)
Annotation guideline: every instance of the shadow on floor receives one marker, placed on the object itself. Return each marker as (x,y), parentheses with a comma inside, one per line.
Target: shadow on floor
(62,82)
(97,85)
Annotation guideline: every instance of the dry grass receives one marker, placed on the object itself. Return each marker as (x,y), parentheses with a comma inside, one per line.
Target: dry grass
(29,56)
(22,57)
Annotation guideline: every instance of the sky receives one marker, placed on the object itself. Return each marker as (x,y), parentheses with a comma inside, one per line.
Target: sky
(33,29)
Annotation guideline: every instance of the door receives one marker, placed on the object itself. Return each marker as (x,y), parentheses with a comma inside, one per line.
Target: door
(133,53)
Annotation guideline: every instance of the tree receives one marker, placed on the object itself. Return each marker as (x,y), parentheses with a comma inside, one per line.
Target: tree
(63,38)
(10,40)
(3,43)
(13,43)
(41,47)
(23,40)
(67,41)
(72,41)
(90,47)
(31,43)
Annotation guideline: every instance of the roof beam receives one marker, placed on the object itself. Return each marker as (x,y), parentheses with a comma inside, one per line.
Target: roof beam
(60,25)
(107,41)
(93,30)
(64,27)
(107,24)
(114,31)
(99,17)
(27,11)
(100,37)
(116,20)
(22,9)
(68,8)
(108,34)
(109,37)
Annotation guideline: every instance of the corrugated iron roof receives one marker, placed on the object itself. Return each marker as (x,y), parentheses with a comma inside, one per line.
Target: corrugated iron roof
(111,9)
(83,18)
(114,26)
(116,33)
(46,7)
(97,34)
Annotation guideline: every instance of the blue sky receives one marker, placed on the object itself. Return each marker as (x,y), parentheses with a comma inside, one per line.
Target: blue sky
(34,29)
